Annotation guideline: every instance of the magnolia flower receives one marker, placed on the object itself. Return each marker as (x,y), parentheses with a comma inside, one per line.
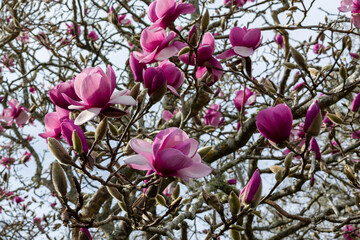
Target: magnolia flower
(213,117)
(167,115)
(7,162)
(157,45)
(240,100)
(18,199)
(172,153)
(275,123)
(154,79)
(237,3)
(319,48)
(53,123)
(355,103)
(313,119)
(231,181)
(174,77)
(350,233)
(244,42)
(26,157)
(85,232)
(251,193)
(314,147)
(64,88)
(299,86)
(123,20)
(354,7)
(32,90)
(95,89)
(279,39)
(23,37)
(137,68)
(15,113)
(67,129)
(70,29)
(164,12)
(354,55)
(169,190)
(204,59)
(327,122)
(93,36)
(8,62)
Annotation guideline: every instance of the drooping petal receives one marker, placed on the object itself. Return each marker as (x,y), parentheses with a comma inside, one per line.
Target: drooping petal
(87,115)
(138,162)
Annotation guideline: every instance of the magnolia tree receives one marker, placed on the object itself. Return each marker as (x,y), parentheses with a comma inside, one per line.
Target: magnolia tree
(179,120)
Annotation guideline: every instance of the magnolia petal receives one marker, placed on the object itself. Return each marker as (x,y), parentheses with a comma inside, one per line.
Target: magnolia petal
(87,115)
(119,98)
(243,51)
(138,162)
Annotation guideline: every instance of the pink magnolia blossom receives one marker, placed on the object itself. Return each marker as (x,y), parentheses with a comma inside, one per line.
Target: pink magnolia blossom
(95,89)
(275,123)
(354,7)
(7,162)
(15,112)
(172,153)
(311,119)
(251,193)
(154,78)
(8,62)
(205,60)
(64,88)
(93,36)
(32,90)
(53,205)
(37,221)
(232,181)
(169,190)
(244,42)
(53,123)
(237,3)
(164,12)
(71,30)
(23,37)
(26,157)
(314,147)
(86,232)
(279,39)
(299,86)
(241,101)
(319,48)
(18,199)
(123,20)
(157,45)
(354,55)
(213,116)
(167,115)
(137,68)
(67,129)
(355,103)
(350,233)
(174,77)
(327,122)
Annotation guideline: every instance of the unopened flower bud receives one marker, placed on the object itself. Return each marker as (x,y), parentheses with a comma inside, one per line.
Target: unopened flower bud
(134,92)
(289,65)
(114,192)
(77,145)
(176,192)
(84,234)
(334,118)
(161,200)
(343,72)
(313,119)
(299,59)
(122,205)
(58,151)
(184,50)
(114,131)
(152,191)
(288,160)
(101,130)
(157,95)
(59,179)
(141,96)
(204,151)
(205,21)
(270,86)
(235,234)
(234,203)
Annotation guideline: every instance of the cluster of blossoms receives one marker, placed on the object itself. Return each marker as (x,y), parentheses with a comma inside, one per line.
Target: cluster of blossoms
(354,7)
